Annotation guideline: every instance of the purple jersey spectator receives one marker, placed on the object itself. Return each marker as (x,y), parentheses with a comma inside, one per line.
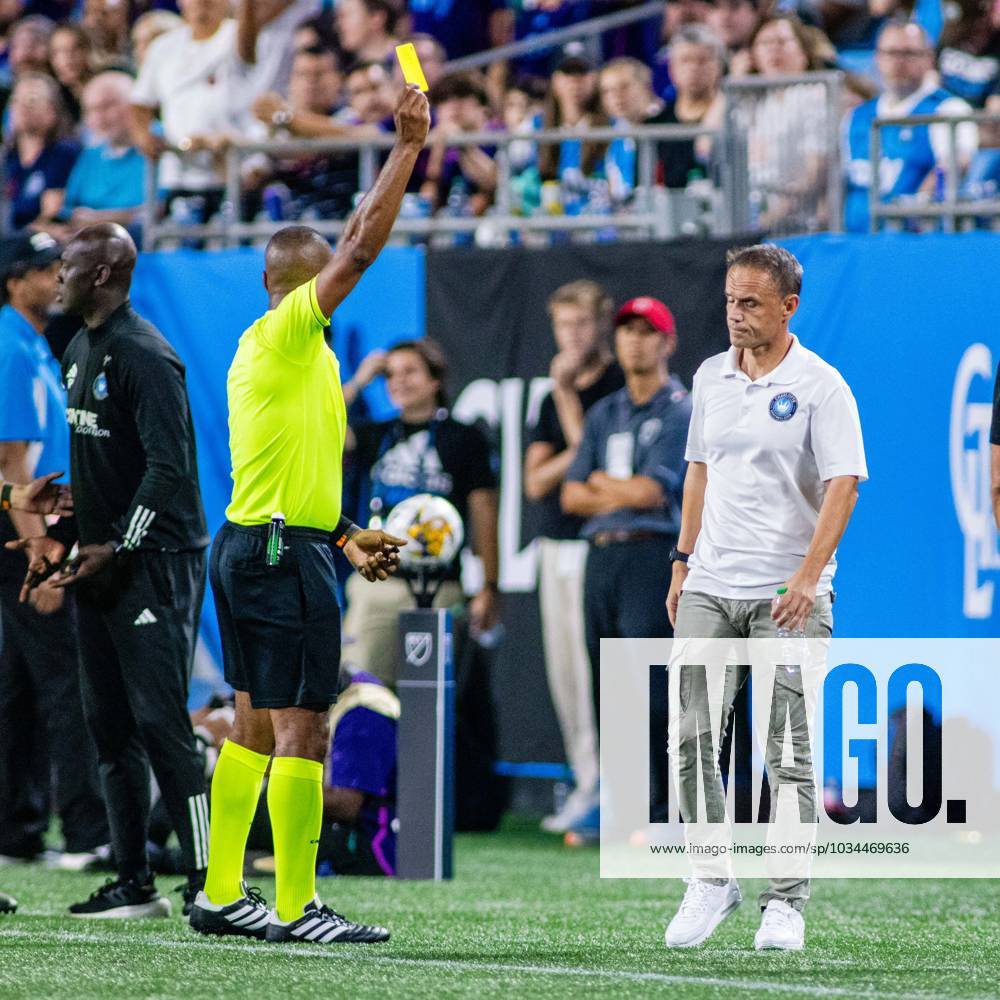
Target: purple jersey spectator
(461,26)
(363,757)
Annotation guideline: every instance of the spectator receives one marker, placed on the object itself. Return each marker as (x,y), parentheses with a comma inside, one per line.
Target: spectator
(10,14)
(424,450)
(788,126)
(148,28)
(432,58)
(522,116)
(71,56)
(535,17)
(627,95)
(626,481)
(29,46)
(367,29)
(573,102)
(265,30)
(782,46)
(582,371)
(461,27)
(189,76)
(697,64)
(461,105)
(39,159)
(734,22)
(969,56)
(982,180)
(106,184)
(318,31)
(371,97)
(910,156)
(324,185)
(107,22)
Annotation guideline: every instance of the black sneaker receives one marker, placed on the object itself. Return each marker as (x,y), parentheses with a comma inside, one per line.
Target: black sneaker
(247,917)
(189,891)
(321,925)
(8,904)
(123,899)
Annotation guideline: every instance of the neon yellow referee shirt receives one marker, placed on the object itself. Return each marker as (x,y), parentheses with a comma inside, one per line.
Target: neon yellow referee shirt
(287,419)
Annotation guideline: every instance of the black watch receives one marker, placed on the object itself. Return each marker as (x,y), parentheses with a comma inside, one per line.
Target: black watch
(677,556)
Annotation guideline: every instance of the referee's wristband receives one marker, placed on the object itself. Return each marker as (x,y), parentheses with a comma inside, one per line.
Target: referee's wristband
(346,529)
(677,556)
(6,492)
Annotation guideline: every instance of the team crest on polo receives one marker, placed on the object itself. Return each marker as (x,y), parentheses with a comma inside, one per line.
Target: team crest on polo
(783,406)
(101,386)
(649,431)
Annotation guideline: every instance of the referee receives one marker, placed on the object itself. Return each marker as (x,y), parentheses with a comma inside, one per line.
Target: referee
(140,568)
(277,604)
(775,456)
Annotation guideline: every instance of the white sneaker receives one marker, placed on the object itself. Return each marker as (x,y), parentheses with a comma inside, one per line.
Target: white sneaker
(575,808)
(782,927)
(703,908)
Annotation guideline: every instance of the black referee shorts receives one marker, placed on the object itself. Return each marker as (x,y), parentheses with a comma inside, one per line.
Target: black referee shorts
(280,625)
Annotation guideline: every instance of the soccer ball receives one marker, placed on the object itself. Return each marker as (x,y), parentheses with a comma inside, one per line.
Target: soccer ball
(434,529)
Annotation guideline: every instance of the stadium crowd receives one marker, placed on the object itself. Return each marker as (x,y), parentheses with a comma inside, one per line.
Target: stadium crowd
(92,89)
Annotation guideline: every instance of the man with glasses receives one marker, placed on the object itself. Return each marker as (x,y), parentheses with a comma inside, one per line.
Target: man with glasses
(911,156)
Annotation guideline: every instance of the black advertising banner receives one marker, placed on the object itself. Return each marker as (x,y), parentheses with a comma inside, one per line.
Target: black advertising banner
(488,310)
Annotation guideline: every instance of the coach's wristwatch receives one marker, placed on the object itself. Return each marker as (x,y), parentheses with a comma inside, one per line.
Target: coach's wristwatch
(677,556)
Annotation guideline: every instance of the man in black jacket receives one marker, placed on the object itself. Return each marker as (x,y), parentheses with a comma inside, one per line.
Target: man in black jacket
(140,568)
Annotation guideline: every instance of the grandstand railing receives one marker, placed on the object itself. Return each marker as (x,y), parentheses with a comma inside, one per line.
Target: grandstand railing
(784,152)
(945,206)
(651,212)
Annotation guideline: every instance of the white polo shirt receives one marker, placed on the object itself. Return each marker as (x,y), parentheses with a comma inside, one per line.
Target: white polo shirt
(770,446)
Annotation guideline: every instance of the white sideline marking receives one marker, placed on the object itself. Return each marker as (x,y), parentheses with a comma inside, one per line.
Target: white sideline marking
(307,951)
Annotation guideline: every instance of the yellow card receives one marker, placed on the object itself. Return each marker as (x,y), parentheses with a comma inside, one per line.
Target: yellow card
(412,70)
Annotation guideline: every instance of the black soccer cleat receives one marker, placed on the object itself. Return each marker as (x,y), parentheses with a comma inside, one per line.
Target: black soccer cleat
(118,899)
(8,904)
(247,917)
(321,925)
(189,892)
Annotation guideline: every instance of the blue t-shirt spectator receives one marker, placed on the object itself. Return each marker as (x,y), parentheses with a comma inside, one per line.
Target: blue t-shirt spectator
(104,178)
(461,26)
(27,181)
(530,20)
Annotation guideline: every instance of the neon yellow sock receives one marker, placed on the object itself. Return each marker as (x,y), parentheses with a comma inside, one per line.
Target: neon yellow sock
(295,803)
(235,794)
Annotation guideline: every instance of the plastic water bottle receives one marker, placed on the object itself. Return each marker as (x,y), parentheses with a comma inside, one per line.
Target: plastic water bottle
(458,208)
(785,633)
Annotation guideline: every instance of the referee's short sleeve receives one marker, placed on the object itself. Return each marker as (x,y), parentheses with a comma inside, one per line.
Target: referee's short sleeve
(837,443)
(295,328)
(695,450)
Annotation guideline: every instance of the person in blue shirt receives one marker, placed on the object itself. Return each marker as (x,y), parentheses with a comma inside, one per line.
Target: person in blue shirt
(39,673)
(910,156)
(626,481)
(461,26)
(107,181)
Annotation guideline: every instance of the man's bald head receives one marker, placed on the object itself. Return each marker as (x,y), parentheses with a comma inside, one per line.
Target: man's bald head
(97,268)
(294,256)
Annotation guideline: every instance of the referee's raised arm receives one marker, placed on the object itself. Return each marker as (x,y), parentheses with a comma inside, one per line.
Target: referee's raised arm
(370,225)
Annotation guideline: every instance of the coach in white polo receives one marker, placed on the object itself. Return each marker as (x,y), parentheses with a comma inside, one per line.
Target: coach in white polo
(775,457)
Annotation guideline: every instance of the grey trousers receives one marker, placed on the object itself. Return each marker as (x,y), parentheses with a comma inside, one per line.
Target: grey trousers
(703,616)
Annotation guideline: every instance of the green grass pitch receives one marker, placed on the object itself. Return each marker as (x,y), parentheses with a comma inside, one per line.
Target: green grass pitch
(524,918)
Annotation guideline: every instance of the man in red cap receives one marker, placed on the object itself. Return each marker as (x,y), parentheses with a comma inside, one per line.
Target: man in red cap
(626,481)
